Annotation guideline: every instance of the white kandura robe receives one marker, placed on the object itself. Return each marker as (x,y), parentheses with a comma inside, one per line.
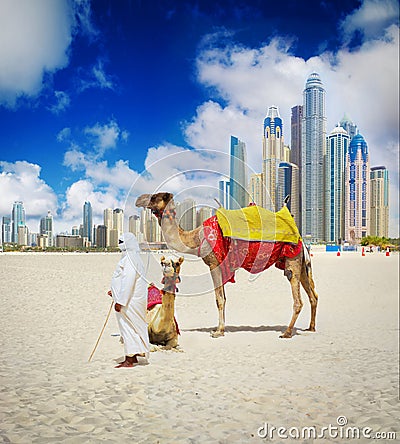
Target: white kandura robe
(129,288)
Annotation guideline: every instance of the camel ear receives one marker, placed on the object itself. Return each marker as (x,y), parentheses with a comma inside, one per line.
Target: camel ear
(180,260)
(162,259)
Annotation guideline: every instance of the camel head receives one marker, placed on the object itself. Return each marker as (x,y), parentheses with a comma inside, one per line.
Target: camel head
(157,203)
(171,270)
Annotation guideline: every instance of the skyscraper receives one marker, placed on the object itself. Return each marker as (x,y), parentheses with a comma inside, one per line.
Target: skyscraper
(17,219)
(273,155)
(186,214)
(224,193)
(379,202)
(238,175)
(6,230)
(357,189)
(255,189)
(118,220)
(46,227)
(349,126)
(337,145)
(108,222)
(288,184)
(101,236)
(87,221)
(312,159)
(295,155)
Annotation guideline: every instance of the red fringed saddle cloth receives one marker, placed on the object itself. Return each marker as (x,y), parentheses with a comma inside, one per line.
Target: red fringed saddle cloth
(253,256)
(154,297)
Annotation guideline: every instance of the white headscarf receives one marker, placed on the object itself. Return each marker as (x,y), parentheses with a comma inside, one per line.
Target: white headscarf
(129,246)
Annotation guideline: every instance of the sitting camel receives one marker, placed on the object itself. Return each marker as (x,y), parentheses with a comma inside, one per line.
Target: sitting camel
(297,269)
(163,329)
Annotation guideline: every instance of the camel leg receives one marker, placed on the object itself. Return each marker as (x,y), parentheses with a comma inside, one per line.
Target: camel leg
(292,272)
(308,284)
(220,300)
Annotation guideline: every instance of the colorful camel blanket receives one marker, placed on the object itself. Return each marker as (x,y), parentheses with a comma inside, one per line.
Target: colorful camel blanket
(253,256)
(154,297)
(255,223)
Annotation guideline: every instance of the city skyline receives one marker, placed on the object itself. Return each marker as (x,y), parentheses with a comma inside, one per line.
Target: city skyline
(93,123)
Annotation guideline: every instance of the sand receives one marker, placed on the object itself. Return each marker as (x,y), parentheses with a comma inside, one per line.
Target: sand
(233,389)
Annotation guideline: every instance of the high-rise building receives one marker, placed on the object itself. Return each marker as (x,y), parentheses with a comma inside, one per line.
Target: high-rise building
(75,231)
(23,233)
(295,153)
(101,236)
(118,220)
(357,190)
(203,214)
(6,230)
(224,193)
(238,175)
(312,160)
(349,126)
(17,219)
(379,202)
(186,214)
(337,145)
(134,225)
(255,189)
(87,221)
(288,185)
(108,222)
(273,155)
(46,227)
(150,226)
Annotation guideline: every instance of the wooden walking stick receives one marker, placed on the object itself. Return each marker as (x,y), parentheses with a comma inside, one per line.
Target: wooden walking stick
(102,330)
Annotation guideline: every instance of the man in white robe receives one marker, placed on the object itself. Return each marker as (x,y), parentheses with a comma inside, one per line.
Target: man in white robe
(129,291)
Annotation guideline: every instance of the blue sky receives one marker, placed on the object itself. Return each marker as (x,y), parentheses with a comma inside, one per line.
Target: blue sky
(93,93)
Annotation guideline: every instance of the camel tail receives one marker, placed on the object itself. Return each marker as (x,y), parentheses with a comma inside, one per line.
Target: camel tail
(307,259)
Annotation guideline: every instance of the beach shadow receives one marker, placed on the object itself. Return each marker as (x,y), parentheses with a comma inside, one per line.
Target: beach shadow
(245,328)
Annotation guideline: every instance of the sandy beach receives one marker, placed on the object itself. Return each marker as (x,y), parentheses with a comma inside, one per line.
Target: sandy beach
(233,389)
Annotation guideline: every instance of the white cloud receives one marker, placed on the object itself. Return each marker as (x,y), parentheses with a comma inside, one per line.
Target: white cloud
(370,19)
(105,136)
(21,181)
(62,102)
(97,78)
(34,37)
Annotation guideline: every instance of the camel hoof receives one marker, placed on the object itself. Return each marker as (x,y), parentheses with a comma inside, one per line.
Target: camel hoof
(286,335)
(217,334)
(310,329)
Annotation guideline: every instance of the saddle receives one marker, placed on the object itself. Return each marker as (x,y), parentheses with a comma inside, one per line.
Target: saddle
(255,223)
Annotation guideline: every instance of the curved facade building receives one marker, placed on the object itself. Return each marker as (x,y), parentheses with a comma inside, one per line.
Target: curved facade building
(357,190)
(273,155)
(312,160)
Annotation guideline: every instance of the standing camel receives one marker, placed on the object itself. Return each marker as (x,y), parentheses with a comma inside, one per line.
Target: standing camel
(297,269)
(162,327)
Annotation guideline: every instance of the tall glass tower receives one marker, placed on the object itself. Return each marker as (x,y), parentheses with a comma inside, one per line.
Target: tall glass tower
(223,193)
(295,153)
(337,145)
(87,221)
(238,197)
(357,198)
(17,219)
(273,155)
(312,160)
